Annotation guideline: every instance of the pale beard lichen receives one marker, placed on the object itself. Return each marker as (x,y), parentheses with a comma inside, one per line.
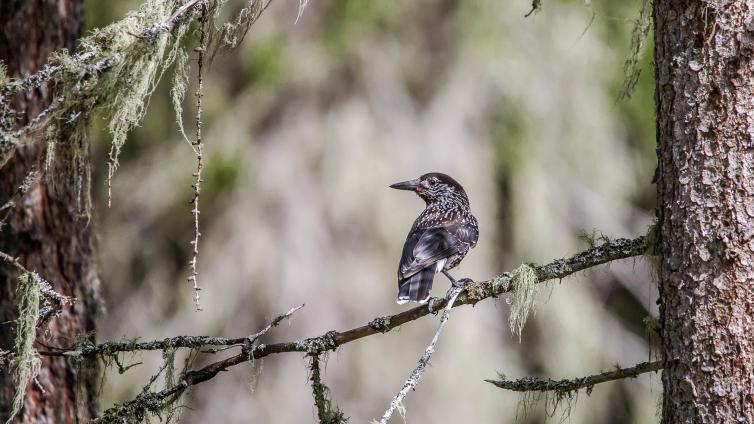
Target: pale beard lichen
(521,299)
(639,34)
(25,363)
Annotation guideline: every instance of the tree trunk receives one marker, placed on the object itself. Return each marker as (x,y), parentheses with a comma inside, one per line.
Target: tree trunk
(43,229)
(705,183)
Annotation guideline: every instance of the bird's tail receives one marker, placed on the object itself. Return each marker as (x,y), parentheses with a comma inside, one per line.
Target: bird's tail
(416,287)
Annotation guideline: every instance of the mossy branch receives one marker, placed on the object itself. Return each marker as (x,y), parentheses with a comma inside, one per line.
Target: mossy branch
(89,350)
(52,302)
(565,386)
(25,362)
(149,402)
(472,293)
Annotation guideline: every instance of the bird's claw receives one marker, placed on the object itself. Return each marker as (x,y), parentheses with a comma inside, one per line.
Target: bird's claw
(462,282)
(431,305)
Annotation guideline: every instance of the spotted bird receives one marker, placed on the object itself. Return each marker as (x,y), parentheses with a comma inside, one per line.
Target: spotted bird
(440,237)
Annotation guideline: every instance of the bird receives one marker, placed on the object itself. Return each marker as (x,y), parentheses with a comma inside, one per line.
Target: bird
(440,237)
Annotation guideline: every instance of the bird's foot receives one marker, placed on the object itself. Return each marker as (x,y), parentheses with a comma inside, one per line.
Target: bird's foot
(431,302)
(463,282)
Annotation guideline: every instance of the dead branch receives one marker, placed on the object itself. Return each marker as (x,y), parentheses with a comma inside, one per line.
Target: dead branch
(416,374)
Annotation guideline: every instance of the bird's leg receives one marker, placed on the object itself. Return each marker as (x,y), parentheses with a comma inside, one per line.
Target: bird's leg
(450,277)
(456,283)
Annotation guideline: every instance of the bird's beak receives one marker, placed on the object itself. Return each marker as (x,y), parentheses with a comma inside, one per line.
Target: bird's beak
(412,185)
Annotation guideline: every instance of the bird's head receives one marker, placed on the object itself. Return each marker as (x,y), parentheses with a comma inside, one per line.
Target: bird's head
(434,187)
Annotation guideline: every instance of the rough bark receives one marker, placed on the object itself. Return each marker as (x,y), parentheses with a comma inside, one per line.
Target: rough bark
(705,182)
(44,229)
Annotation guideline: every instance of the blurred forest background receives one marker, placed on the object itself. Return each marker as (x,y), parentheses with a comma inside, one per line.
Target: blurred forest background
(306,125)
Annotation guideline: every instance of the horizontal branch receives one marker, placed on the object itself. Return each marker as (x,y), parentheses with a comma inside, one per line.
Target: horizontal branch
(155,401)
(533,384)
(416,374)
(111,348)
(473,292)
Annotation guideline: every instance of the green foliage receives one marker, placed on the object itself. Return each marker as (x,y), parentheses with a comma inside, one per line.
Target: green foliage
(523,291)
(222,173)
(25,363)
(267,62)
(509,132)
(349,21)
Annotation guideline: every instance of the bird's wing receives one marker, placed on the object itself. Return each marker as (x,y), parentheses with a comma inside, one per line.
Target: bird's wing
(464,232)
(424,247)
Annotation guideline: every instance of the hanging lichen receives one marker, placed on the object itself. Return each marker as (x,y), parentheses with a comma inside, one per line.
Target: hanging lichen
(639,34)
(25,363)
(523,291)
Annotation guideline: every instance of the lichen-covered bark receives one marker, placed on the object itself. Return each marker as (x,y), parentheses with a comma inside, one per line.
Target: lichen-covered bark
(43,229)
(705,182)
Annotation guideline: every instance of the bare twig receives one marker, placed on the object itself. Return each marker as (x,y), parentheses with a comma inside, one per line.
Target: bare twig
(533,384)
(13,261)
(198,146)
(416,374)
(26,184)
(536,5)
(274,323)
